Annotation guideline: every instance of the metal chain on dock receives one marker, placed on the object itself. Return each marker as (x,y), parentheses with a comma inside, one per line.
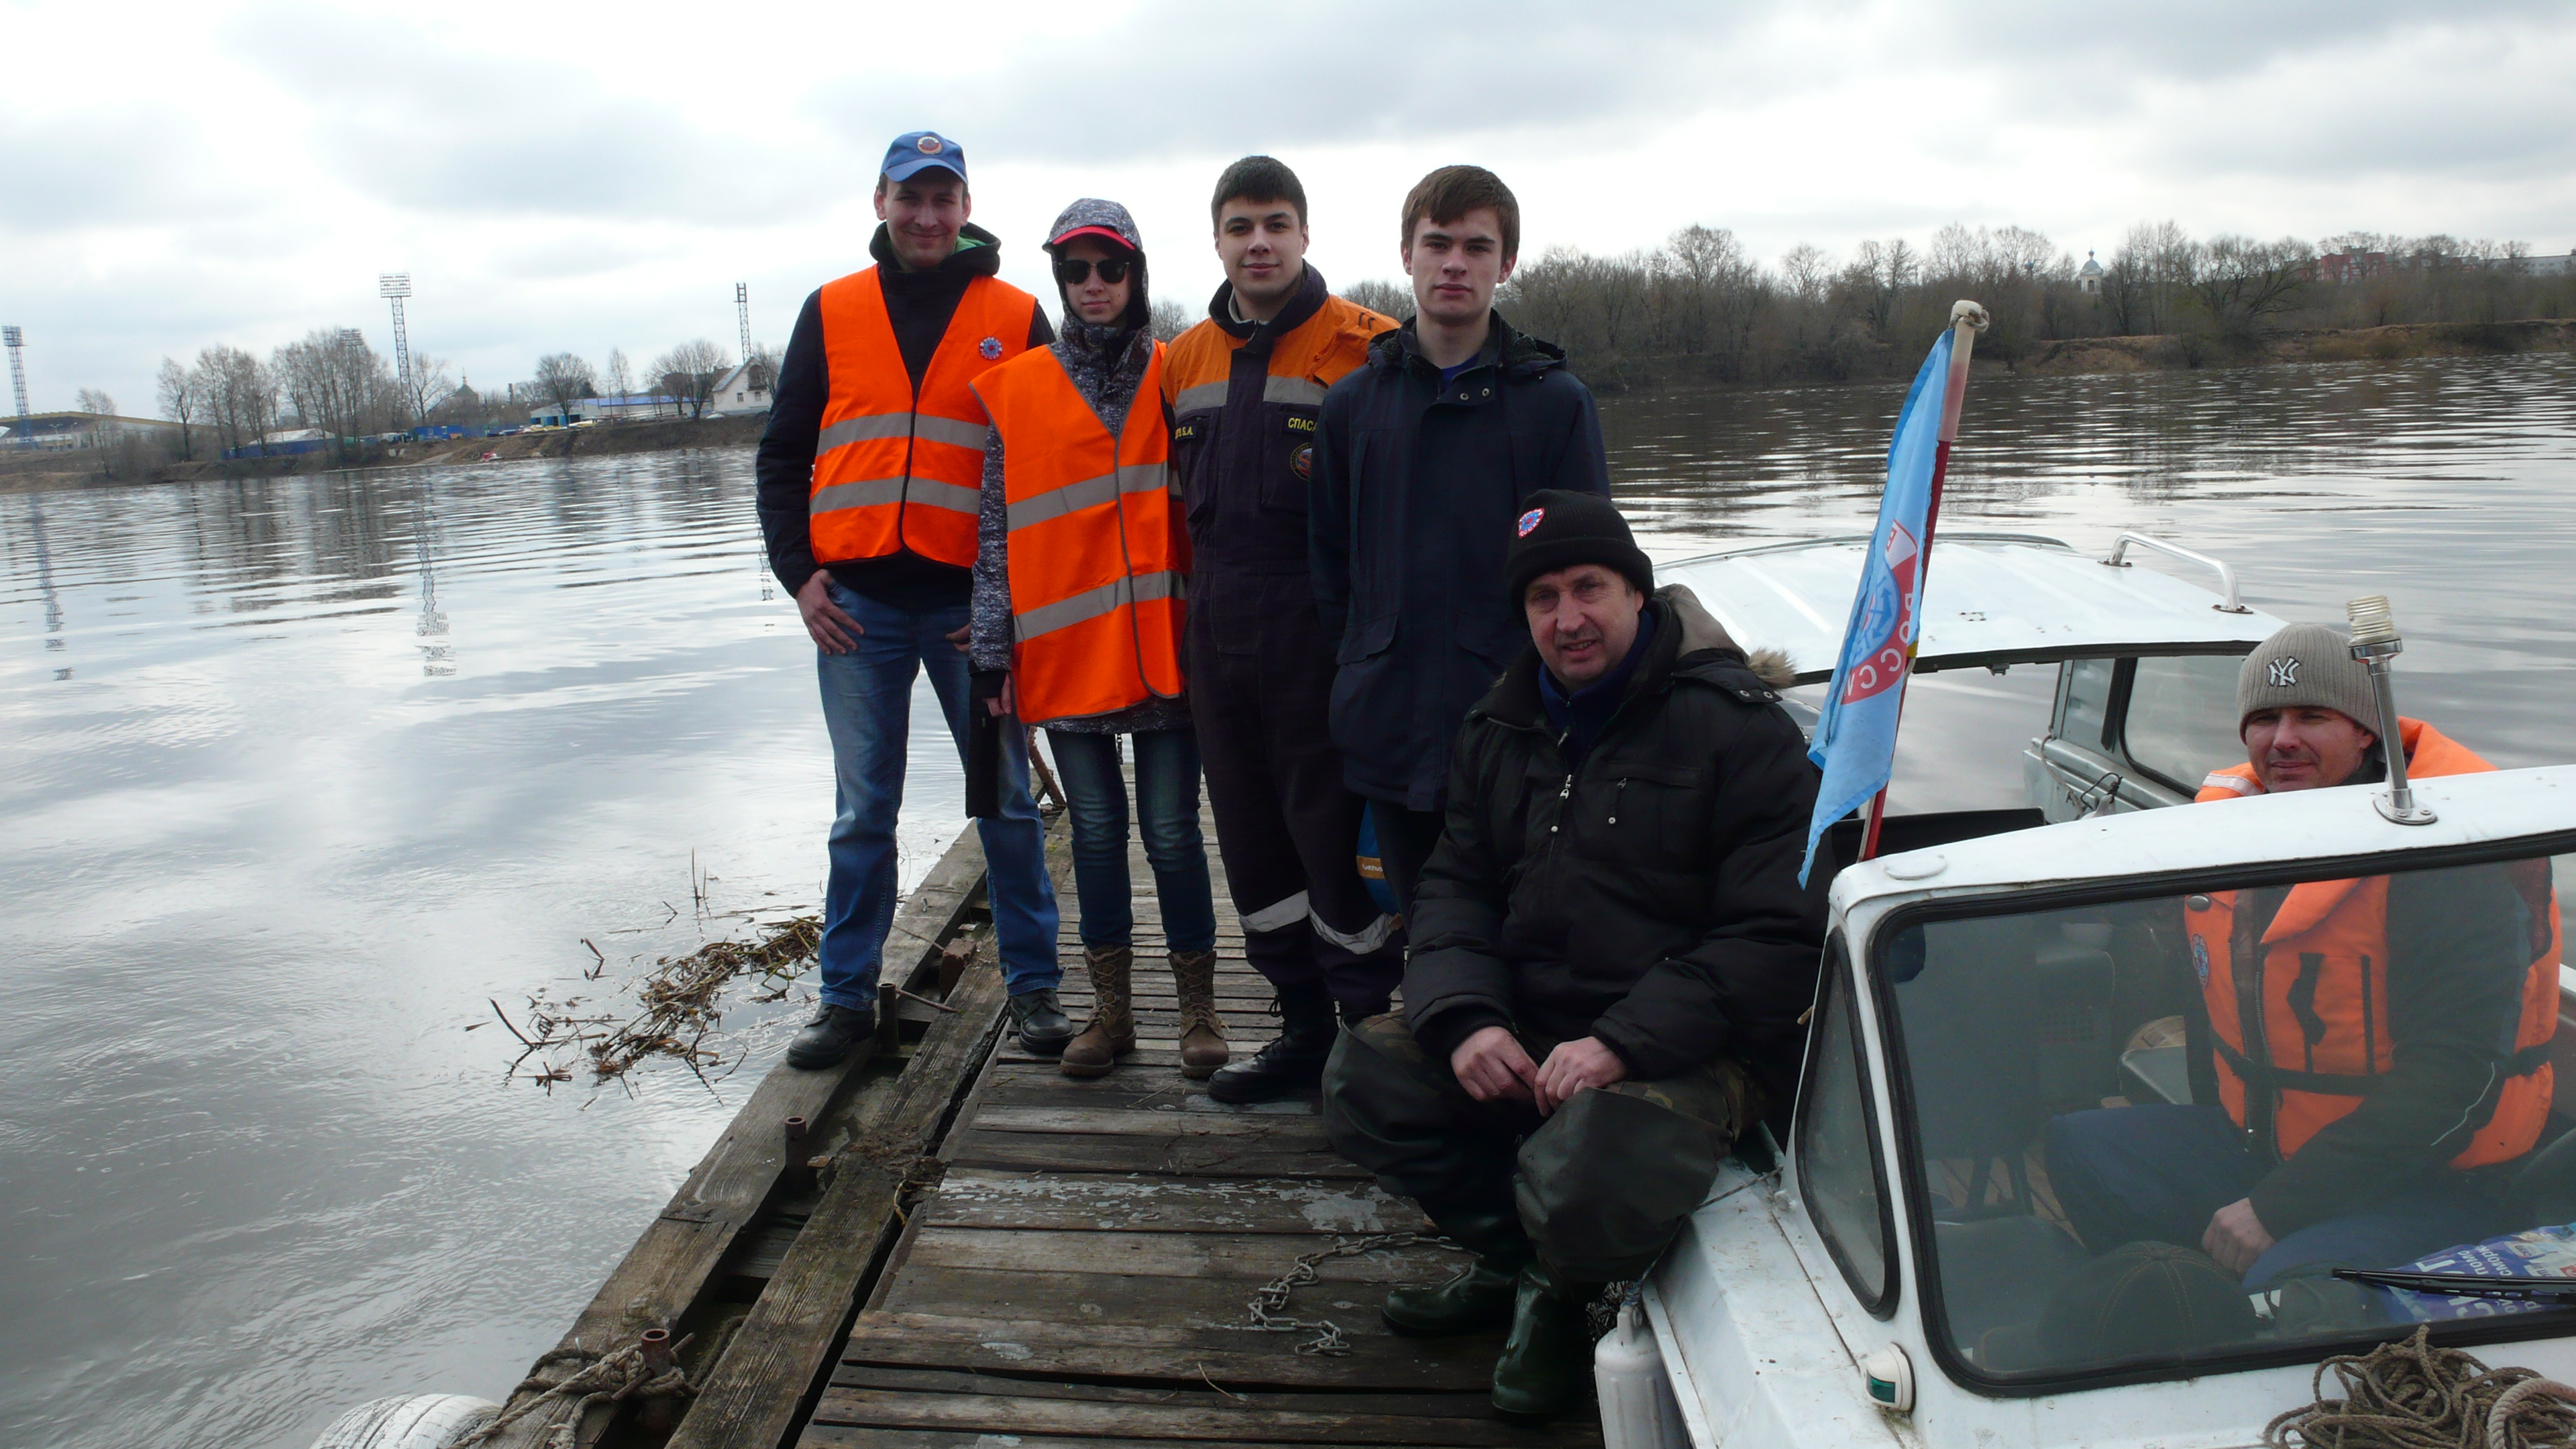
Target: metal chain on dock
(1270,1301)
(628,1373)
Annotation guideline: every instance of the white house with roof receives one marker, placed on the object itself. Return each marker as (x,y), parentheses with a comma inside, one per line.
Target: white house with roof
(743,392)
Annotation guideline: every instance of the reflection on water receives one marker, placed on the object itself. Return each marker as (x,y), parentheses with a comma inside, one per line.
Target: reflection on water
(298,773)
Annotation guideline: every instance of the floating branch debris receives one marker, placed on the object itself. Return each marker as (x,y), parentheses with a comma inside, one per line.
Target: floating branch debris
(678,1003)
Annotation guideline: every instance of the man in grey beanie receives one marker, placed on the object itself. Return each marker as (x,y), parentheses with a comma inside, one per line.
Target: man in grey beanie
(2369,1058)
(2305,709)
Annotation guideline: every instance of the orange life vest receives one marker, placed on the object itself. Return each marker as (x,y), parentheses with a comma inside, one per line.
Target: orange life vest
(1100,553)
(2315,1003)
(894,470)
(1309,358)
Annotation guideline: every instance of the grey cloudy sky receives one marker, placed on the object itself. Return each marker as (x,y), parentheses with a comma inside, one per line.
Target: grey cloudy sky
(569,179)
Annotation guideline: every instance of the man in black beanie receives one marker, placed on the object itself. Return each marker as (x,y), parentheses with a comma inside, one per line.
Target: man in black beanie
(1611,953)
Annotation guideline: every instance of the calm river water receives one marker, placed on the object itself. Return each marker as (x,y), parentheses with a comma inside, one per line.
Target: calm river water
(295,775)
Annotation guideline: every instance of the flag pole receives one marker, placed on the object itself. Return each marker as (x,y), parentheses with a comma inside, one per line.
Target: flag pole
(1967,319)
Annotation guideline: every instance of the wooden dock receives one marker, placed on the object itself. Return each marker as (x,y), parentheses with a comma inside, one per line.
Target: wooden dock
(997,1249)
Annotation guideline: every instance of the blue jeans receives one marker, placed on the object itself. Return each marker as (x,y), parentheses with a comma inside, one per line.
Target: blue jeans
(1167,816)
(867,706)
(2157,1173)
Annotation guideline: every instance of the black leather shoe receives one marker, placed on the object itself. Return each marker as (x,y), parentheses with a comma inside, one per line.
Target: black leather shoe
(1043,1027)
(1547,1360)
(1293,1063)
(830,1036)
(1478,1300)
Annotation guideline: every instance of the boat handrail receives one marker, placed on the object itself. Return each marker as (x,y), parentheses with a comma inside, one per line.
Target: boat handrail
(2226,575)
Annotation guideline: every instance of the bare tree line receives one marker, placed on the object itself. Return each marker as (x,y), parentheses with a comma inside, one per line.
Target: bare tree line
(329,380)
(1699,304)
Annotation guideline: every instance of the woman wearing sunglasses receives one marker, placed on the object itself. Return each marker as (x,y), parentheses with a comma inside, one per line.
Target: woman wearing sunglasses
(1079,587)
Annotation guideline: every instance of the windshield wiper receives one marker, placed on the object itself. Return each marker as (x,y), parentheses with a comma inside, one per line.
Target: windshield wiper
(2462,1284)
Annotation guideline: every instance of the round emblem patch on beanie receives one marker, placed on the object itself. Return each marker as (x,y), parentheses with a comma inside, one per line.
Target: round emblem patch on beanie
(1531,520)
(928,145)
(991,347)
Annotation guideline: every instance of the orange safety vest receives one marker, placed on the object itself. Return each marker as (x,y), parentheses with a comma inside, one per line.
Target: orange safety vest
(2307,1027)
(895,470)
(1100,553)
(1310,358)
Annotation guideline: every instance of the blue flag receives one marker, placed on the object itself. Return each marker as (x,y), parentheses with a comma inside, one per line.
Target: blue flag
(1855,741)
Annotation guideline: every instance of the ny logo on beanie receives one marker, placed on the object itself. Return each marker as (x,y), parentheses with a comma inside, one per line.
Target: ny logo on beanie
(2285,671)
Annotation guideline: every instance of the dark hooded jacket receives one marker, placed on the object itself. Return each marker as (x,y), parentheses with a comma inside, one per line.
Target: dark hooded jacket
(1651,897)
(918,305)
(1413,492)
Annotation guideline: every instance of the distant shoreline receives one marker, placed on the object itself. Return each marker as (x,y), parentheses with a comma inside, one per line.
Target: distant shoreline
(1642,377)
(2082,356)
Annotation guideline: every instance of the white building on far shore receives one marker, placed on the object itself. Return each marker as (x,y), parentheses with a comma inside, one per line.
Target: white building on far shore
(744,392)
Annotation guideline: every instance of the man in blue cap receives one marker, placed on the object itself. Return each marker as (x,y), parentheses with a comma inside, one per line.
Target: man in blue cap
(870,477)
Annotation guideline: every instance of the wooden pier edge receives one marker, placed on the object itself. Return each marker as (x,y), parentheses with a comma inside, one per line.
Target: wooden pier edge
(678,1264)
(777,1362)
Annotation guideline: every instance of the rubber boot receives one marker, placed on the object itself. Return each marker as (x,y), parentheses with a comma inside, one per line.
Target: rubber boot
(1547,1360)
(1294,1062)
(1112,1029)
(1479,1298)
(1203,1048)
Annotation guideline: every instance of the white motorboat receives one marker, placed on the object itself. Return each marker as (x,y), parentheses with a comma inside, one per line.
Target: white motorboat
(1903,1271)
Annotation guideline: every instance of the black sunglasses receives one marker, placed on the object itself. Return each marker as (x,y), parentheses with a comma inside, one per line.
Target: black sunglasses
(1074,271)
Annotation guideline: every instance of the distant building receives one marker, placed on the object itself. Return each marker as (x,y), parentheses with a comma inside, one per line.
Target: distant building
(74,429)
(2547,266)
(2352,264)
(2089,278)
(743,393)
(607,410)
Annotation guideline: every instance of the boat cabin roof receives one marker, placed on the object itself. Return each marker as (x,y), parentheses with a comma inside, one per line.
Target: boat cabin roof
(1992,599)
(2305,827)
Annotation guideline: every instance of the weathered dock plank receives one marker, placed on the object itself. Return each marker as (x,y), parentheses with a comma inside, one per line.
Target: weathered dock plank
(973,1199)
(677,1261)
(753,1392)
(1162,1353)
(1211,1416)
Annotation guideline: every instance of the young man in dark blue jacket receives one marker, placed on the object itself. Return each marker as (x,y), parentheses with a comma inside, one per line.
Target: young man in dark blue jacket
(1421,460)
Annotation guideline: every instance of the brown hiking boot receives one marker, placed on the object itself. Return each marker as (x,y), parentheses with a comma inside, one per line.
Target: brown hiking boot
(1202,1035)
(1112,1028)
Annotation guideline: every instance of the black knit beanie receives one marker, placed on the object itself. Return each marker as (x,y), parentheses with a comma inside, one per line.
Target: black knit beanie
(1559,529)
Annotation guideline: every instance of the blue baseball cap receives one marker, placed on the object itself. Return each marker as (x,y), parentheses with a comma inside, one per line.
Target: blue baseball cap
(919,151)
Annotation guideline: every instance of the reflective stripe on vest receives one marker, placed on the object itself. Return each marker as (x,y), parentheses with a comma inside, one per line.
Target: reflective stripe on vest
(896,471)
(2300,1027)
(1099,559)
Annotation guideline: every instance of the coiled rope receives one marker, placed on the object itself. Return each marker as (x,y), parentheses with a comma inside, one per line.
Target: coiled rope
(2413,1395)
(613,1378)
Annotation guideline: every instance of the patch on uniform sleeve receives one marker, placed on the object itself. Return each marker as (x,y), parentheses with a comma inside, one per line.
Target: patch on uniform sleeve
(1301,460)
(2200,958)
(991,347)
(1531,520)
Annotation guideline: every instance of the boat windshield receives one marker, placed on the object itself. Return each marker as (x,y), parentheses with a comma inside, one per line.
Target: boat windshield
(2145,1135)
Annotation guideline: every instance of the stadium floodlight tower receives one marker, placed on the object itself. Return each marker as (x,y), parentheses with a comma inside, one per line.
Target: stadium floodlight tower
(18,381)
(393,287)
(742,311)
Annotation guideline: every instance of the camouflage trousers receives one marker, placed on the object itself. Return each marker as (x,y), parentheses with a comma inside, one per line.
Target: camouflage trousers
(1598,1189)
